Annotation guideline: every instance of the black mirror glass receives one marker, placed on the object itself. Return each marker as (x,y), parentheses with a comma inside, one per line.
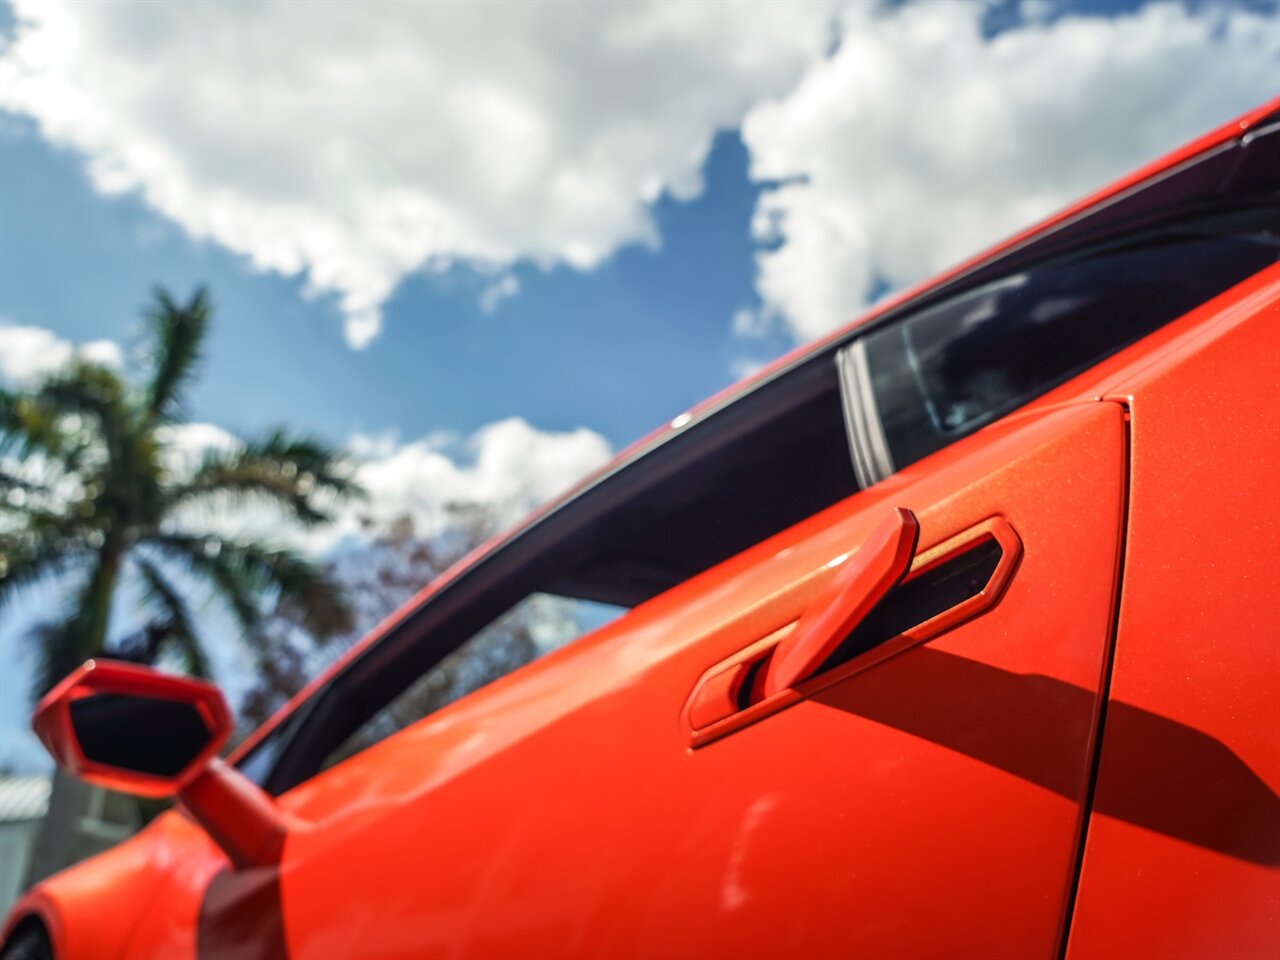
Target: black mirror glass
(140,734)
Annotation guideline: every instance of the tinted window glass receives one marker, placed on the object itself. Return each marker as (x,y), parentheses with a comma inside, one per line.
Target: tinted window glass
(949,369)
(535,626)
(709,491)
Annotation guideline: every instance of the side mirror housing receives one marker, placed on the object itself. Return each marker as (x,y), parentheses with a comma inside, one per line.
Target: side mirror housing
(139,731)
(128,728)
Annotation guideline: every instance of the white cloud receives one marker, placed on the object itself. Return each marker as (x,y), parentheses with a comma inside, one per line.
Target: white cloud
(508,468)
(351,144)
(920,141)
(504,288)
(185,445)
(354,143)
(751,324)
(742,367)
(29,353)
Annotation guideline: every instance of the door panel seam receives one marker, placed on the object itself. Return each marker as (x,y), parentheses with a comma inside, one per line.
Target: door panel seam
(1104,691)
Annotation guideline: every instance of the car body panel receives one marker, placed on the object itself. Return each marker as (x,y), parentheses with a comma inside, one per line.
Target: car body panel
(487,829)
(92,909)
(1199,648)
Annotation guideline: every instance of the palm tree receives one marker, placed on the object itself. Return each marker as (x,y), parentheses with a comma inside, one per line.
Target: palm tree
(92,496)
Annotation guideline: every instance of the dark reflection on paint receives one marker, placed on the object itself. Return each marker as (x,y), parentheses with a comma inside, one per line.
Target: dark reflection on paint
(241,917)
(1166,776)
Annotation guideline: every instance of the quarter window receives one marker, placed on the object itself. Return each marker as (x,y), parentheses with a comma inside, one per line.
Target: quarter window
(939,374)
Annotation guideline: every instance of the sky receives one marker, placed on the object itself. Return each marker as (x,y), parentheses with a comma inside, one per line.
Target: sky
(482,246)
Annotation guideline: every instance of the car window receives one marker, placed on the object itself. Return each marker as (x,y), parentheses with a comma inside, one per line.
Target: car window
(535,626)
(947,370)
(709,490)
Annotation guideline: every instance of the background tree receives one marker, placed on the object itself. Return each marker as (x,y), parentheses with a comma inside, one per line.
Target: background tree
(93,494)
(394,561)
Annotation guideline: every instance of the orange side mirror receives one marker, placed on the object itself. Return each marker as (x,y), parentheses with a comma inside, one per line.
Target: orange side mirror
(132,729)
(139,731)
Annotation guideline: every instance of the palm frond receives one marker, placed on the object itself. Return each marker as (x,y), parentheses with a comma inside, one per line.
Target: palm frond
(65,642)
(301,475)
(241,573)
(173,627)
(203,556)
(46,545)
(11,483)
(177,332)
(29,427)
(58,652)
(190,654)
(86,390)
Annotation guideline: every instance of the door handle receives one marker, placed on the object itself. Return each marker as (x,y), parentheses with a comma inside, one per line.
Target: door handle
(916,596)
(861,580)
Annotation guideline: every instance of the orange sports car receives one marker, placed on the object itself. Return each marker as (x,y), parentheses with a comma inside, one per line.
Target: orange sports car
(956,633)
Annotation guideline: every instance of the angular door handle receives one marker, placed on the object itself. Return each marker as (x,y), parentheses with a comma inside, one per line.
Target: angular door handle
(954,580)
(860,582)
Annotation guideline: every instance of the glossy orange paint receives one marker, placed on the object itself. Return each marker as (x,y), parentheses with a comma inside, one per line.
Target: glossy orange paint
(487,829)
(860,582)
(928,803)
(91,911)
(714,707)
(237,815)
(1199,647)
(240,818)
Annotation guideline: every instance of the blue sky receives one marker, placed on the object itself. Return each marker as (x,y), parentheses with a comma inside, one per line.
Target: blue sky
(618,349)
(667,195)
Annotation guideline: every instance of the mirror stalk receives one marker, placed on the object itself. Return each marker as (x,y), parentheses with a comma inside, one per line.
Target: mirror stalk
(240,818)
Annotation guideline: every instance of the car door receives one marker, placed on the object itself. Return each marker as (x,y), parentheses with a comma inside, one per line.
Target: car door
(923,803)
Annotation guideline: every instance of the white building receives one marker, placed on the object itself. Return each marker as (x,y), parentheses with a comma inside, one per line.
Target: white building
(103,821)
